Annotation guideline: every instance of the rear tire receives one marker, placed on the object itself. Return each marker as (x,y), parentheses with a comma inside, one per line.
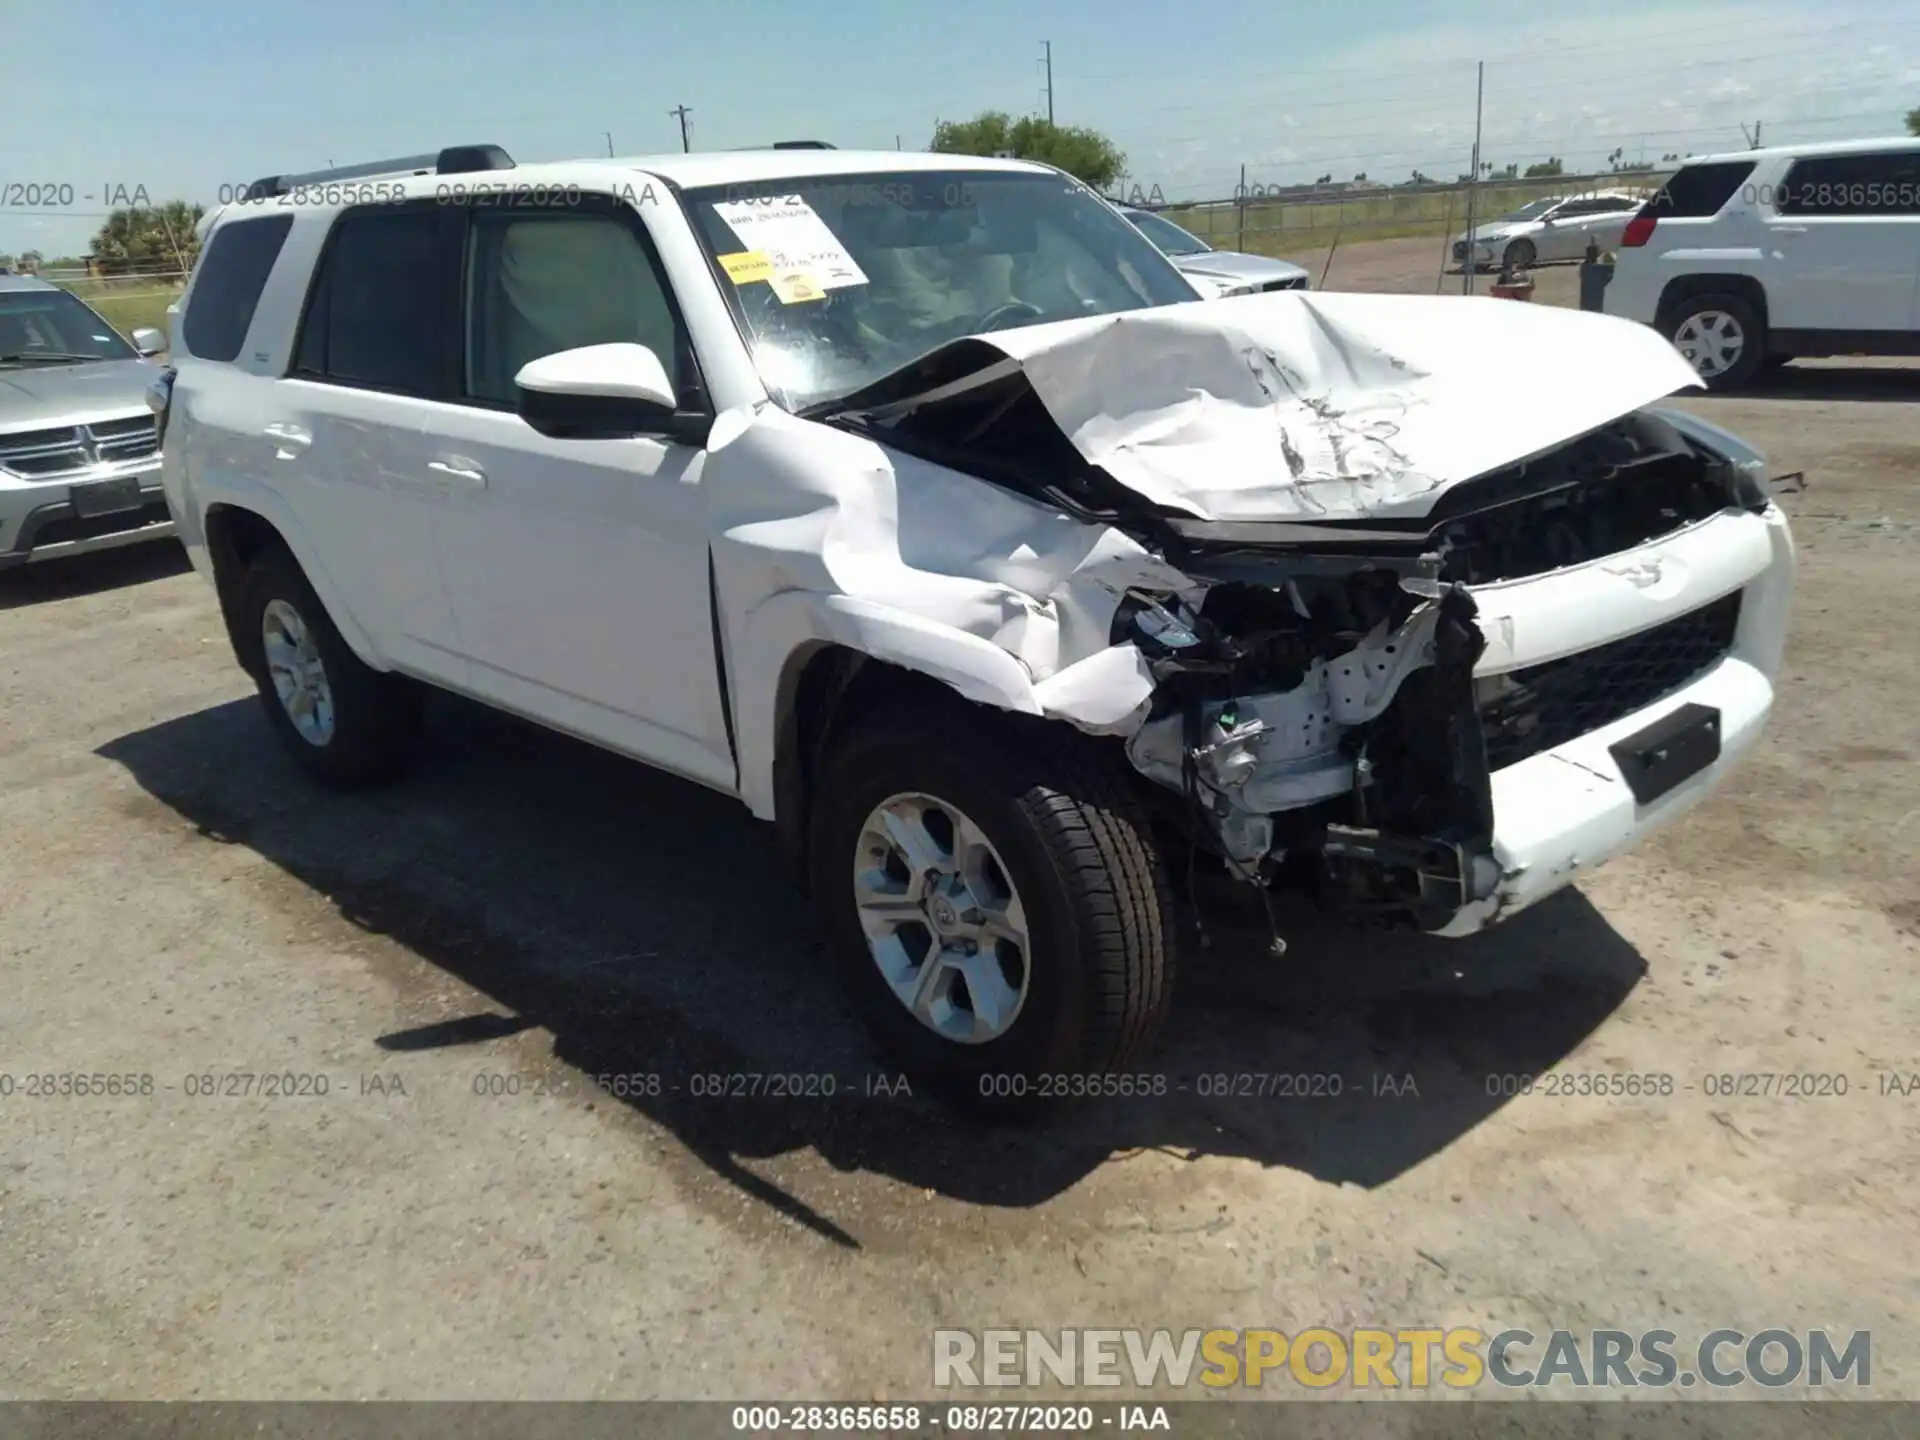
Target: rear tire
(347,725)
(1063,847)
(1721,335)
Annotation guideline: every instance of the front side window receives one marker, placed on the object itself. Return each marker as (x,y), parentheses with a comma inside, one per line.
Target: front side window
(1534,210)
(838,281)
(376,315)
(50,327)
(541,281)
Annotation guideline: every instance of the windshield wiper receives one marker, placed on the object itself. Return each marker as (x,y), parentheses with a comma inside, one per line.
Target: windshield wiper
(46,355)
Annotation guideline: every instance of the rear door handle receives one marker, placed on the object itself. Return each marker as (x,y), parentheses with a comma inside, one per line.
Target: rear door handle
(290,439)
(455,470)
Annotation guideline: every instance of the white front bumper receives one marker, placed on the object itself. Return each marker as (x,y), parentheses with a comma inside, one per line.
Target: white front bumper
(1562,811)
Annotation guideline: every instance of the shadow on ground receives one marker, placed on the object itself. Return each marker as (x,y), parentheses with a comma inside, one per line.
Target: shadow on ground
(636,918)
(104,570)
(1804,380)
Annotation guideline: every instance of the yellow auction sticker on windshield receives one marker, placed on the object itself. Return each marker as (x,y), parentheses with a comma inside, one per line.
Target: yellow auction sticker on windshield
(794,286)
(746,266)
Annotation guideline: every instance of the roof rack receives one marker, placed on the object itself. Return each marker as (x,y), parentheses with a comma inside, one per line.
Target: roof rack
(454,160)
(803,145)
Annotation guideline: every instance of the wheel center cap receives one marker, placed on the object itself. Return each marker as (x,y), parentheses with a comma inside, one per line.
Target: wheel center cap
(945,918)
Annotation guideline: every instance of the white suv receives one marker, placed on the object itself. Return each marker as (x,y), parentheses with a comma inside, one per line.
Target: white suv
(915,501)
(1751,259)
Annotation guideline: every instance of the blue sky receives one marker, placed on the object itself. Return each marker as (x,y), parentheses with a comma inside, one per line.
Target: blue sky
(182,98)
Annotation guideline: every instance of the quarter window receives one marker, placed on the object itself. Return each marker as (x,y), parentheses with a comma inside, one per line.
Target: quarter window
(226,292)
(1697,191)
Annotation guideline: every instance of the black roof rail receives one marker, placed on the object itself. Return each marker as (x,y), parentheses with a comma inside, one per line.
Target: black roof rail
(454,160)
(465,159)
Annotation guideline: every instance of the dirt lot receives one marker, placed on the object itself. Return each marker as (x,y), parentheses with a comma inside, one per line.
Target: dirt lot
(463,1214)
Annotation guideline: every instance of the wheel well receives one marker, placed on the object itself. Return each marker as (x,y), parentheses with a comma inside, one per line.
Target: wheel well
(1686,287)
(822,688)
(235,539)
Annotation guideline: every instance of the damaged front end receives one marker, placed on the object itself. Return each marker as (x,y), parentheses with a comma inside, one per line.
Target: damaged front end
(1327,717)
(1299,679)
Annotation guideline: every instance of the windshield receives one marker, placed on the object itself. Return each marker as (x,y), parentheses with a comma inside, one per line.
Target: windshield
(1532,210)
(50,327)
(841,280)
(1171,239)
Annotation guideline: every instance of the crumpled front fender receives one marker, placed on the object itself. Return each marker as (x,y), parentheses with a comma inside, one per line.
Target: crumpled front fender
(778,635)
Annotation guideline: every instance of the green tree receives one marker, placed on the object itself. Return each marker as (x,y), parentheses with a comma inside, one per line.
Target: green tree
(148,237)
(1085,154)
(1913,122)
(1546,169)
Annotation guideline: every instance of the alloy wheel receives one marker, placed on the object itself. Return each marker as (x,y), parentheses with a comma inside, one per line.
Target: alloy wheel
(299,675)
(942,919)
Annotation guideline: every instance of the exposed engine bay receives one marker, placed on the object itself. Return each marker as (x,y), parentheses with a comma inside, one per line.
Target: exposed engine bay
(1313,693)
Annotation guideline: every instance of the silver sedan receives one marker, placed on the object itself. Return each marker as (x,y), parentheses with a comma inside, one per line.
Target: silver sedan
(1215,272)
(1555,228)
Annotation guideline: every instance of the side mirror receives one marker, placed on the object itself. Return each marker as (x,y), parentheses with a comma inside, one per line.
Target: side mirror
(149,341)
(599,392)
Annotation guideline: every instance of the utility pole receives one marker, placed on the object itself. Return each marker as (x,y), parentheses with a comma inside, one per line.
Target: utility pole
(609,135)
(682,112)
(1048,44)
(1468,265)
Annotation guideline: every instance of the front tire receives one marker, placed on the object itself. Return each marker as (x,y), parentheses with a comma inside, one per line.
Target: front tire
(995,901)
(1721,336)
(346,724)
(1520,255)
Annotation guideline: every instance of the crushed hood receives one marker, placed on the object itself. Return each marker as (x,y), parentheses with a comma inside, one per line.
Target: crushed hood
(1307,405)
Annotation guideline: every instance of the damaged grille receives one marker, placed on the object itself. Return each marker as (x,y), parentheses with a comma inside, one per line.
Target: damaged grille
(1548,705)
(1588,500)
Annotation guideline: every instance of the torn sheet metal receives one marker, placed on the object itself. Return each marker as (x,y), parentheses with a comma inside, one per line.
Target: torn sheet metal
(1324,406)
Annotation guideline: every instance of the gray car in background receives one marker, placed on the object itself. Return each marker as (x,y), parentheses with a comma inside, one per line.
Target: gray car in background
(1551,229)
(1215,272)
(79,449)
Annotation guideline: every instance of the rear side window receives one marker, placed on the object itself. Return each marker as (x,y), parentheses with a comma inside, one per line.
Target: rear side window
(233,272)
(1697,191)
(377,314)
(1885,184)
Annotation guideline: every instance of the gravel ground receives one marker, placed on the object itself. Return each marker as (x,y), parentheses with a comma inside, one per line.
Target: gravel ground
(464,1215)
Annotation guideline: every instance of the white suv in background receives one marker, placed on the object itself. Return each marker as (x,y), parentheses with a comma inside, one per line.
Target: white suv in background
(916,502)
(1751,259)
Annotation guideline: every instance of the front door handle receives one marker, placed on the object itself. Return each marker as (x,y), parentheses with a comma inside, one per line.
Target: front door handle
(458,470)
(289,440)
